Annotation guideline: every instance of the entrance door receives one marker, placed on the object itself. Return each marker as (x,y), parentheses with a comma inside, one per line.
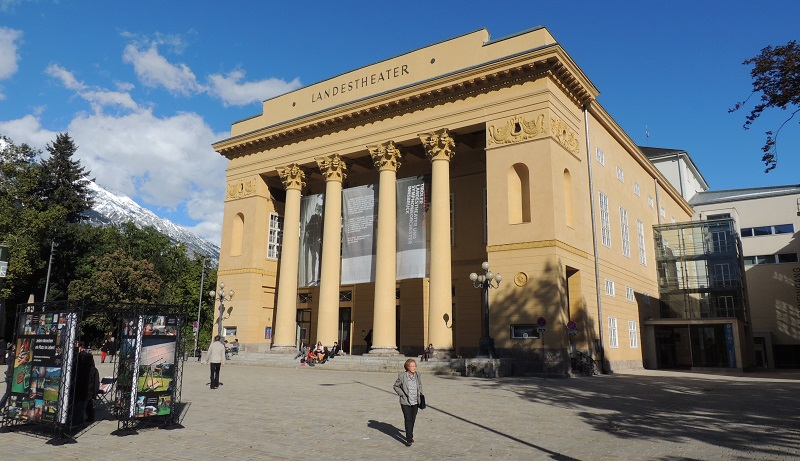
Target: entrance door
(303,326)
(344,328)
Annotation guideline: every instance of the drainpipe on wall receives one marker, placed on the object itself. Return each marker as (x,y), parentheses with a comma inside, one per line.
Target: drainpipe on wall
(594,241)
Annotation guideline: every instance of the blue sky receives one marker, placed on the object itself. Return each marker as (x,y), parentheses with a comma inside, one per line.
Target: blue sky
(145,87)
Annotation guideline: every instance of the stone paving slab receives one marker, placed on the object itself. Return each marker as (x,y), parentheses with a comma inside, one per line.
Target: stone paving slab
(318,414)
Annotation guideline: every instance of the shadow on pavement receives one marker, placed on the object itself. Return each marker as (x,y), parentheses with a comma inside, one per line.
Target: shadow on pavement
(387,429)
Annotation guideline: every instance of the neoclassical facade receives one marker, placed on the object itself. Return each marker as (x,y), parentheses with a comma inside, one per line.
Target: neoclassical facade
(357,207)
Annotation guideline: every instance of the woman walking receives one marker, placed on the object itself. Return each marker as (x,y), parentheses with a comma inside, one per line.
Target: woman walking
(409,387)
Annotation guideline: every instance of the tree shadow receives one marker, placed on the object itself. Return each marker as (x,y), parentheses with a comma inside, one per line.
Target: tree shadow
(754,416)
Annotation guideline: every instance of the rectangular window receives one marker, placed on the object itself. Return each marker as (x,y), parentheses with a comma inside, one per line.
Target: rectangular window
(663,212)
(605,220)
(633,334)
(762,230)
(646,298)
(787,258)
(629,294)
(610,287)
(527,331)
(650,201)
(640,238)
(228,331)
(620,174)
(601,157)
(784,229)
(613,340)
(275,236)
(722,275)
(623,224)
(637,190)
(719,242)
(747,232)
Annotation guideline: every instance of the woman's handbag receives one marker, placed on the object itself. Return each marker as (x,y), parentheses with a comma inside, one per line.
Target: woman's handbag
(422,405)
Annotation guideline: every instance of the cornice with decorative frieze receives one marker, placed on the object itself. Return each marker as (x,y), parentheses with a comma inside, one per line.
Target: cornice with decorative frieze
(240,188)
(517,128)
(415,100)
(247,270)
(564,135)
(537,244)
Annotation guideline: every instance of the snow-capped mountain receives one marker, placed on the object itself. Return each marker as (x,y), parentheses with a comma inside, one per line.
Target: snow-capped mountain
(111,209)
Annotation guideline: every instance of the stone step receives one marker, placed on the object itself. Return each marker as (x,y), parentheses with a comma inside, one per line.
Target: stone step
(452,367)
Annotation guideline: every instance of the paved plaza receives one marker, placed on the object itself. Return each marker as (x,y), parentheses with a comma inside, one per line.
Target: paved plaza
(317,414)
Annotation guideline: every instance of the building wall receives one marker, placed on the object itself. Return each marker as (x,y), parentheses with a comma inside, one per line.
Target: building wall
(772,288)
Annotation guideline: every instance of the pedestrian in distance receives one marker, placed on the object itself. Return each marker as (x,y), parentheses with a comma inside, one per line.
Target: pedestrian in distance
(409,388)
(216,358)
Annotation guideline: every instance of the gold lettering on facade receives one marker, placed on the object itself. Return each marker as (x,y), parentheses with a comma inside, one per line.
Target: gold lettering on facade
(292,176)
(241,188)
(516,129)
(332,168)
(564,135)
(358,83)
(385,156)
(439,146)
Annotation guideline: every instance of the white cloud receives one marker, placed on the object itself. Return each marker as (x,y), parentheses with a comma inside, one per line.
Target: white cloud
(155,71)
(9,58)
(97,97)
(232,91)
(27,130)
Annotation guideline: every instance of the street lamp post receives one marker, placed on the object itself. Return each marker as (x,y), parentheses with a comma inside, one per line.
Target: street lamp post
(222,297)
(484,282)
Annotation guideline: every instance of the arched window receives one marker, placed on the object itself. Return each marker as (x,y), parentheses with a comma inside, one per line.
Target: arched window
(519,194)
(237,234)
(569,212)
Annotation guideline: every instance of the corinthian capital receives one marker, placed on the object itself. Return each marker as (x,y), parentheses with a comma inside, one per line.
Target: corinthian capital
(332,167)
(292,176)
(439,146)
(385,156)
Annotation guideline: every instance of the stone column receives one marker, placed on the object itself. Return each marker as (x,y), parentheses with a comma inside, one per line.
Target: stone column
(384,341)
(440,148)
(285,333)
(334,170)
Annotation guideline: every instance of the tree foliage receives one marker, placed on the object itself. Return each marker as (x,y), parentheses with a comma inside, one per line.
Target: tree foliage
(776,76)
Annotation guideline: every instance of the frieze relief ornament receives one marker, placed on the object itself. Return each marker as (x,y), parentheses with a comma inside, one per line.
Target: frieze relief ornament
(516,129)
(439,146)
(564,135)
(332,167)
(292,176)
(241,188)
(385,156)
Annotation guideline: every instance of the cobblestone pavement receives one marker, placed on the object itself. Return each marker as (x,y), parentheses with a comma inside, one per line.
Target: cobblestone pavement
(318,414)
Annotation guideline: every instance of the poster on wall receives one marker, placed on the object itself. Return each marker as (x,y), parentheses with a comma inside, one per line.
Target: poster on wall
(311,210)
(359,225)
(154,371)
(411,237)
(42,363)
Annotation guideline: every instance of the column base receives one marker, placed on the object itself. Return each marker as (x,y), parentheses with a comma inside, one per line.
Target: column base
(383,351)
(283,349)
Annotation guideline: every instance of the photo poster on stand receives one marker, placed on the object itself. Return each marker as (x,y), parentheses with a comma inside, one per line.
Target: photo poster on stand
(128,360)
(155,377)
(42,363)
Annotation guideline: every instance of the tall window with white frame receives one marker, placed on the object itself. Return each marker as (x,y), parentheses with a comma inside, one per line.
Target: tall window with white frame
(613,336)
(626,239)
(633,334)
(605,220)
(610,288)
(640,238)
(601,157)
(275,237)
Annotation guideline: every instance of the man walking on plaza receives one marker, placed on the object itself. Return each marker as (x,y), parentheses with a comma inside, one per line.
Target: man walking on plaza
(216,357)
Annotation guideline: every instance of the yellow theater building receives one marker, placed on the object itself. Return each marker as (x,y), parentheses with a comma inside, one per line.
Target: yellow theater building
(357,207)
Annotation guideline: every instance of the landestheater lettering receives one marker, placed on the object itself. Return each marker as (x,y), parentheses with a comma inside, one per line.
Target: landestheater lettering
(358,83)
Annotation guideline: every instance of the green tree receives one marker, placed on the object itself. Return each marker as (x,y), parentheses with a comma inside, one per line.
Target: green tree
(65,180)
(776,76)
